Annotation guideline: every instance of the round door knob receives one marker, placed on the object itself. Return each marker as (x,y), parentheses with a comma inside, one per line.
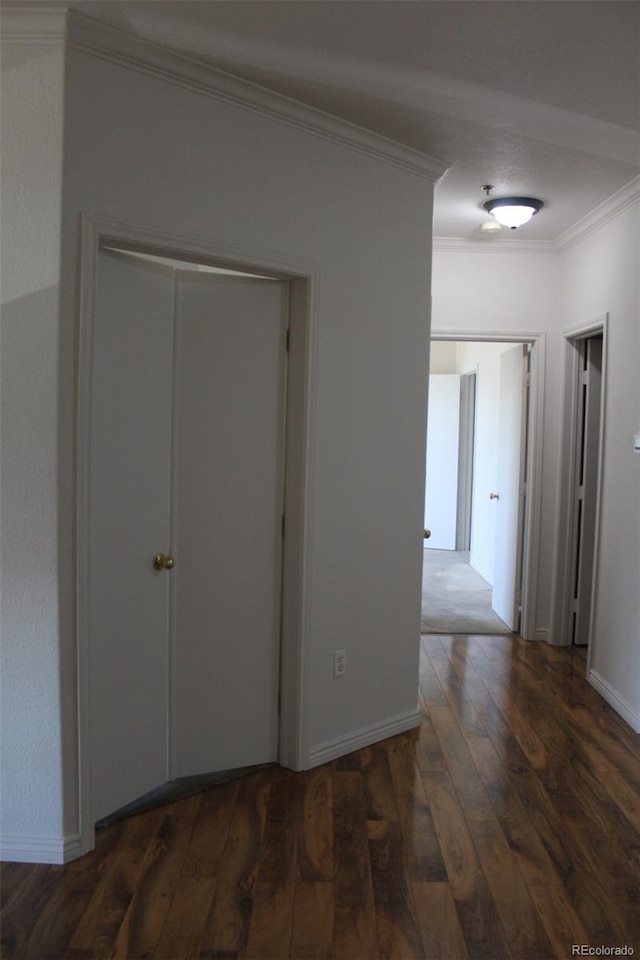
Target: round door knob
(162,562)
(169,563)
(427,534)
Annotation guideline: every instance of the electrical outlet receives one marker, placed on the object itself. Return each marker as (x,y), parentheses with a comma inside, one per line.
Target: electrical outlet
(339,663)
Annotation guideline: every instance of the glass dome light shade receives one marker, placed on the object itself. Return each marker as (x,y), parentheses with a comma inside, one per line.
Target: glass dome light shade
(512,212)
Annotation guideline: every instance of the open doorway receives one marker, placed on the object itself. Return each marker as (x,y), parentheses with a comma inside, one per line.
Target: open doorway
(477,513)
(585,493)
(583,444)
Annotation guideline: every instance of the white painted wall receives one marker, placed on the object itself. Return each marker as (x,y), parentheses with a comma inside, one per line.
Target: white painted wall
(32,618)
(601,274)
(153,153)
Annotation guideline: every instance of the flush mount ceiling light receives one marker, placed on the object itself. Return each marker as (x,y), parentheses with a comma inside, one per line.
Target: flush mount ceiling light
(512,212)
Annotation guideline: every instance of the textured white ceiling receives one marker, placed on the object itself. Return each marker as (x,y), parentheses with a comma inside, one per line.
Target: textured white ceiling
(538,97)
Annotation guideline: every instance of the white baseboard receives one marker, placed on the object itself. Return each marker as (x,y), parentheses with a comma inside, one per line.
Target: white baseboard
(541,634)
(332,749)
(40,849)
(613,698)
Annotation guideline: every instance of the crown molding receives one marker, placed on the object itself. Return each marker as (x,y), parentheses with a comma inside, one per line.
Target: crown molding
(90,36)
(42,23)
(489,245)
(606,211)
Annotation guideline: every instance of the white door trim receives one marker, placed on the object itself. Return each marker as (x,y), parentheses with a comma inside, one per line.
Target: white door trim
(600,325)
(303,277)
(533,508)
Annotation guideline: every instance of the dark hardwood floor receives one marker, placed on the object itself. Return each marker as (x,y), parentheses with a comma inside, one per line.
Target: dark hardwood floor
(508,825)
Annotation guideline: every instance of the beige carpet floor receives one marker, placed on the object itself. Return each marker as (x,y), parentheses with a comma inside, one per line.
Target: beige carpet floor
(455,598)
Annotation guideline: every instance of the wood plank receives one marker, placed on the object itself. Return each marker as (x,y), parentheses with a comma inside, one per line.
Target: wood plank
(571,858)
(272,911)
(354,911)
(525,933)
(210,831)
(498,647)
(98,927)
(429,685)
(535,698)
(455,691)
(312,934)
(557,914)
(227,926)
(429,754)
(530,743)
(142,925)
(442,937)
(15,881)
(462,652)
(469,787)
(503,798)
(32,890)
(588,726)
(422,705)
(377,784)
(315,824)
(567,692)
(601,834)
(625,795)
(455,840)
(422,850)
(183,929)
(349,763)
(477,914)
(398,930)
(69,898)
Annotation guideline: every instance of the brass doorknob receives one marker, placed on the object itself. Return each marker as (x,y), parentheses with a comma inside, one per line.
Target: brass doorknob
(494,496)
(163,562)
(427,534)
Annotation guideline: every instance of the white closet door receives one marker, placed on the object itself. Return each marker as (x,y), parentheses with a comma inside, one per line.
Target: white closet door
(509,469)
(227,504)
(129,453)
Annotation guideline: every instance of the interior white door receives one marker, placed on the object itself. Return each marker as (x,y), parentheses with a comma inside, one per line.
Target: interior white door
(129,461)
(441,489)
(228,502)
(510,439)
(466,456)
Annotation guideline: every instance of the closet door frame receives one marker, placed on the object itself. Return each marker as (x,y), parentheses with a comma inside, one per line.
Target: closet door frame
(302,277)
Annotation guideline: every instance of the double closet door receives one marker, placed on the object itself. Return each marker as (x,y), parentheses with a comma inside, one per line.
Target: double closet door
(186,438)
